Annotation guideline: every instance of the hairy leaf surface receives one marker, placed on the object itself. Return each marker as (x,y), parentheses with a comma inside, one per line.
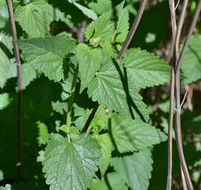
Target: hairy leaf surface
(70,165)
(89,63)
(135,169)
(111,91)
(145,68)
(46,54)
(132,135)
(35,17)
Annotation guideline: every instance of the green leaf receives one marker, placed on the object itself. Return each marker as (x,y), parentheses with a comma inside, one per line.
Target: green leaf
(135,169)
(111,92)
(7,187)
(107,148)
(132,135)
(191,65)
(101,6)
(145,68)
(4,100)
(122,24)
(46,54)
(35,17)
(99,121)
(7,41)
(3,13)
(70,165)
(28,75)
(4,68)
(89,63)
(102,30)
(43,135)
(60,107)
(114,180)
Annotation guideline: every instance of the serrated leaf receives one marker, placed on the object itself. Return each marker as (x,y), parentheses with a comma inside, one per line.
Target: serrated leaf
(192,60)
(35,17)
(89,63)
(7,41)
(101,6)
(102,29)
(106,148)
(46,54)
(135,169)
(132,135)
(70,165)
(43,135)
(122,24)
(28,75)
(145,68)
(110,91)
(60,107)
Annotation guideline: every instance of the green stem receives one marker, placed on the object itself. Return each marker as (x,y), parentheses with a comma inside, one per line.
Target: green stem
(71,99)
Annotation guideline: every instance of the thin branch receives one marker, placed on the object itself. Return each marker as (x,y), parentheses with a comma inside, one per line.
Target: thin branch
(172,91)
(133,29)
(178,105)
(19,77)
(90,118)
(120,55)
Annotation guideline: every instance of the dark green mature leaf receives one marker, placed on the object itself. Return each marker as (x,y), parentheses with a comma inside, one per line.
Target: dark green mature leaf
(107,147)
(131,135)
(110,91)
(89,63)
(135,169)
(35,17)
(145,68)
(70,165)
(191,65)
(46,54)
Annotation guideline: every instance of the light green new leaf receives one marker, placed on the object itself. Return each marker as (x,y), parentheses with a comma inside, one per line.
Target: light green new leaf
(132,135)
(70,165)
(7,41)
(4,100)
(135,169)
(101,6)
(35,17)
(107,148)
(89,63)
(7,187)
(108,89)
(46,54)
(145,68)
(191,66)
(60,107)
(43,135)
(102,30)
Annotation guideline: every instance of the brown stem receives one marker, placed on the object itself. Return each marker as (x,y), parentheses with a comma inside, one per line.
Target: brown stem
(133,29)
(178,106)
(19,77)
(90,118)
(172,91)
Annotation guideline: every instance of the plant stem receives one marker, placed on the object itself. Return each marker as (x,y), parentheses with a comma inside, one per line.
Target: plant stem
(19,83)
(178,106)
(172,91)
